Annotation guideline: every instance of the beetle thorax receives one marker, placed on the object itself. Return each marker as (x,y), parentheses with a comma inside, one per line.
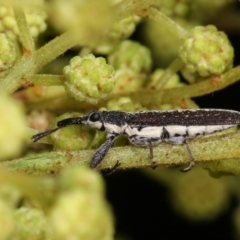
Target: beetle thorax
(114,121)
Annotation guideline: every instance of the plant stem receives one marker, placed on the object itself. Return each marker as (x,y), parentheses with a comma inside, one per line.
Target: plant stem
(173,95)
(210,148)
(46,79)
(26,38)
(167,23)
(36,61)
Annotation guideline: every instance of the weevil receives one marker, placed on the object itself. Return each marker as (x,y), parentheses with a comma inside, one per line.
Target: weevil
(148,128)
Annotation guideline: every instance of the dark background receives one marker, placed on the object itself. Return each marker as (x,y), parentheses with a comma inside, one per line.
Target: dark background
(142,211)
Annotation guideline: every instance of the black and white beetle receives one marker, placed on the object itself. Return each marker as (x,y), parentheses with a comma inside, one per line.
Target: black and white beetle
(148,128)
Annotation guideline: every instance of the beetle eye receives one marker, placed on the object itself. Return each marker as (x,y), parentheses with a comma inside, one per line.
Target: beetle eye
(94,117)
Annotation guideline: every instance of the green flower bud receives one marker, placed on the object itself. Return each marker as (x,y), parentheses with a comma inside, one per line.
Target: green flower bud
(125,27)
(90,17)
(81,211)
(35,19)
(124,104)
(209,196)
(12,124)
(89,78)
(173,82)
(6,221)
(80,178)
(133,56)
(79,215)
(120,30)
(64,14)
(173,8)
(207,52)
(8,53)
(127,81)
(73,137)
(31,224)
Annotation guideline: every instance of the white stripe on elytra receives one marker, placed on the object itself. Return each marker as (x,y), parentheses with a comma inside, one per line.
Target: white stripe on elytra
(176,129)
(173,131)
(148,132)
(186,131)
(204,130)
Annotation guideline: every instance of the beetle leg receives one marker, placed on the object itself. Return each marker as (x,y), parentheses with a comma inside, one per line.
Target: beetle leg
(192,163)
(154,164)
(102,151)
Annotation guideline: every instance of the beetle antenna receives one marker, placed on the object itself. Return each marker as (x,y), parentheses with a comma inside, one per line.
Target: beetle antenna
(60,124)
(38,136)
(69,121)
